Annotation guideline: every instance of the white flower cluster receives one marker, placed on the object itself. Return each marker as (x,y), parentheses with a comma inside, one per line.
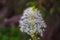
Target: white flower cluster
(32,21)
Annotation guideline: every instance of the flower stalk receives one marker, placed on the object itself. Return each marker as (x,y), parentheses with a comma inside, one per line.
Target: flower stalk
(34,37)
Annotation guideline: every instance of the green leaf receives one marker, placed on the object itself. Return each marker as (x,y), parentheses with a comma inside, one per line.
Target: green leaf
(12,29)
(14,38)
(5,37)
(51,10)
(3,29)
(1,36)
(32,4)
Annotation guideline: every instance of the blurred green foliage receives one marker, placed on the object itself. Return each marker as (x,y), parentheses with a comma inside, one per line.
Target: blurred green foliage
(29,4)
(46,7)
(12,33)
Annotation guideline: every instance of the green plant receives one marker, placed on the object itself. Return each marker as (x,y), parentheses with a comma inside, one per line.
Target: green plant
(12,33)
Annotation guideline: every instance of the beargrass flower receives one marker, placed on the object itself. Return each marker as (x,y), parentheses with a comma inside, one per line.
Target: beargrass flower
(32,22)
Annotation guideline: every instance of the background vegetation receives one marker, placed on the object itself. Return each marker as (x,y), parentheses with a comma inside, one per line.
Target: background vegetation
(50,10)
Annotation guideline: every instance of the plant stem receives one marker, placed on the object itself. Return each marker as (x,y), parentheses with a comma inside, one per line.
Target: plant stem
(34,37)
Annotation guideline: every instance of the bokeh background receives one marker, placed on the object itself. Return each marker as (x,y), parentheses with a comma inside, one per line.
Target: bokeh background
(12,10)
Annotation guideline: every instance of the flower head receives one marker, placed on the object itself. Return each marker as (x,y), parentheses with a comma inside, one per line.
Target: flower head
(31,22)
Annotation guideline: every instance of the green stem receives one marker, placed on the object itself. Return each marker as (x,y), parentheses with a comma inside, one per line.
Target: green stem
(34,37)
